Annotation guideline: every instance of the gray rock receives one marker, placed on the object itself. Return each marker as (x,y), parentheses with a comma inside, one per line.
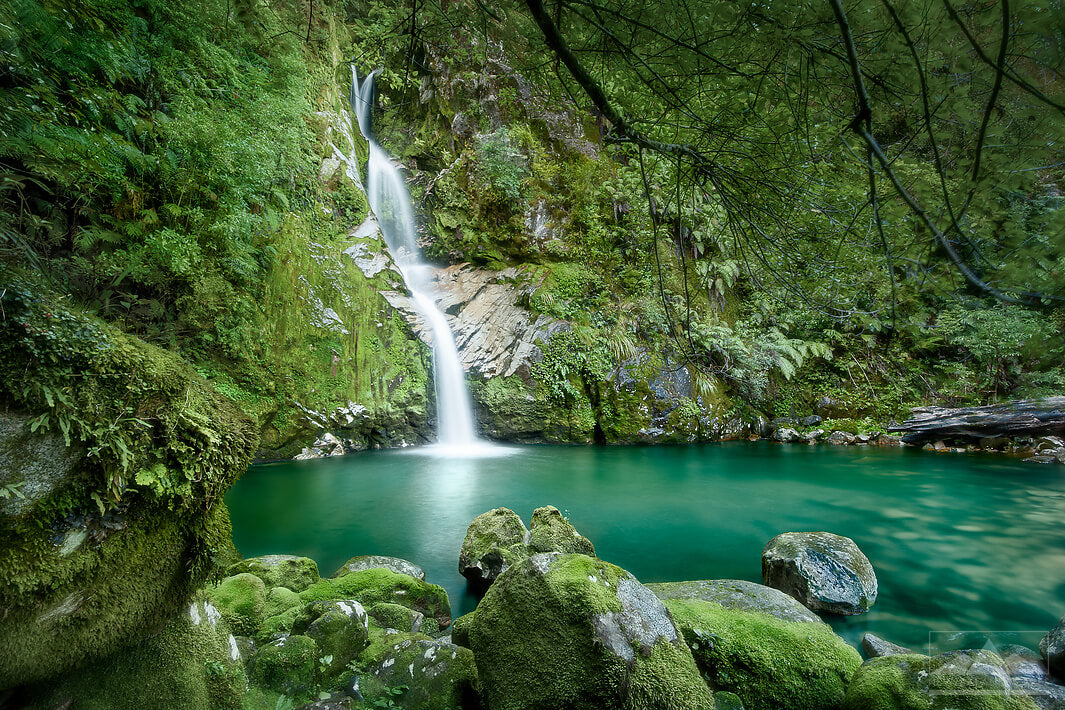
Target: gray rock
(841,438)
(824,571)
(397,565)
(494,541)
(1052,647)
(787,435)
(874,647)
(812,420)
(1023,662)
(559,627)
(1045,695)
(35,464)
(737,594)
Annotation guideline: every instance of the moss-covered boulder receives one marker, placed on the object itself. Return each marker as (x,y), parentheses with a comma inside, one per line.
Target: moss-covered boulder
(289,571)
(737,594)
(824,571)
(766,661)
(288,666)
(242,601)
(339,628)
(396,564)
(460,629)
(494,541)
(276,626)
(571,631)
(372,586)
(193,663)
(551,532)
(122,452)
(394,616)
(959,680)
(438,675)
(279,600)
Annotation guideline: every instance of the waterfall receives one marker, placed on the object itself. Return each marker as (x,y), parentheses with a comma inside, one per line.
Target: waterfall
(390,202)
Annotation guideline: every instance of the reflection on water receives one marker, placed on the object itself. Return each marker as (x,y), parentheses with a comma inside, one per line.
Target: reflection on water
(960,543)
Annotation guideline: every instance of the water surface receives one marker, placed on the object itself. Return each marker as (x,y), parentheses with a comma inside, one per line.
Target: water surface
(960,543)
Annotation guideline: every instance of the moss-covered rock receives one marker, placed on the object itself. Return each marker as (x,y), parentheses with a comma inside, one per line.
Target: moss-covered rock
(460,629)
(242,601)
(769,663)
(288,666)
(339,628)
(494,541)
(551,532)
(571,631)
(372,586)
(393,616)
(397,565)
(279,600)
(192,663)
(295,573)
(737,594)
(438,675)
(278,625)
(959,680)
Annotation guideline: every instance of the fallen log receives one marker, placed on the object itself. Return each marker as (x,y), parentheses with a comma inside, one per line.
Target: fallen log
(1024,417)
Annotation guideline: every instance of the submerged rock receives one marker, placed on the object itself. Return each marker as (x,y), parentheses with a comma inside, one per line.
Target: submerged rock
(289,571)
(1052,647)
(766,661)
(397,565)
(824,571)
(737,594)
(571,631)
(494,541)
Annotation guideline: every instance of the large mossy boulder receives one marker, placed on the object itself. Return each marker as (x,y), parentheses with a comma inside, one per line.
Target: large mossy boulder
(958,680)
(394,616)
(769,663)
(372,586)
(288,666)
(494,541)
(824,571)
(242,601)
(120,525)
(1052,648)
(551,532)
(289,571)
(437,675)
(193,664)
(396,564)
(571,631)
(737,594)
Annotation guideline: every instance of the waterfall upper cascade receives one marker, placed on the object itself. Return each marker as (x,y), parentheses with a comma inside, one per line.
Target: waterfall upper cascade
(390,202)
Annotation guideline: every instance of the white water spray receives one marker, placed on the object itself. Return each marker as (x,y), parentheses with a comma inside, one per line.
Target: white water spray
(390,202)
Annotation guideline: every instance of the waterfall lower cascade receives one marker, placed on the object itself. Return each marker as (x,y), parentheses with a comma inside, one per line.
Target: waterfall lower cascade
(391,203)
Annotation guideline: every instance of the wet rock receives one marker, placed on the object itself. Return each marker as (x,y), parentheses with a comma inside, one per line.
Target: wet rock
(766,661)
(874,647)
(494,541)
(573,631)
(1052,648)
(1023,662)
(824,571)
(324,446)
(289,571)
(737,594)
(397,565)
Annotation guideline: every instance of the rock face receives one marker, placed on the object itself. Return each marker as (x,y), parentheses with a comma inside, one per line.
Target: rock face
(766,661)
(397,565)
(958,680)
(740,595)
(494,541)
(824,571)
(1018,418)
(571,631)
(1052,647)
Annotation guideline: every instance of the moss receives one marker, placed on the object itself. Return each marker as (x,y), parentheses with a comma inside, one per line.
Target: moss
(295,573)
(381,642)
(437,675)
(536,643)
(242,601)
(392,616)
(371,586)
(288,665)
(280,599)
(767,662)
(189,664)
(278,624)
(551,532)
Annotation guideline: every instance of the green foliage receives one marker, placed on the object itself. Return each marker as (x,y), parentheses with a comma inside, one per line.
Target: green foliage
(500,167)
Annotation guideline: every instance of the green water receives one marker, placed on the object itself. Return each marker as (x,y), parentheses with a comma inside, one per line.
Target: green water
(959,542)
